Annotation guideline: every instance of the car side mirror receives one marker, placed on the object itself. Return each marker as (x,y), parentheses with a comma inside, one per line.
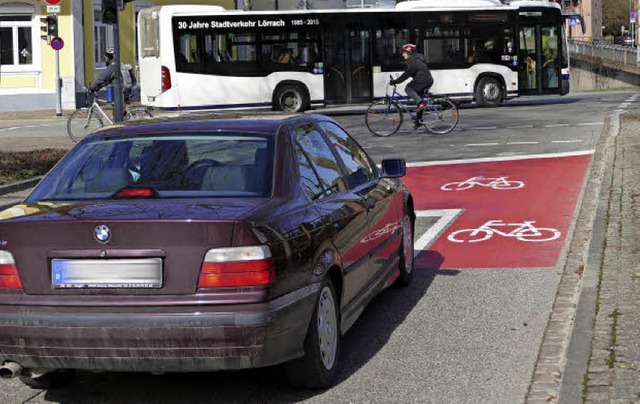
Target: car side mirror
(394,168)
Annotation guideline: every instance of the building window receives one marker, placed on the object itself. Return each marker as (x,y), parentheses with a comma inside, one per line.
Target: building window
(102,36)
(18,27)
(138,6)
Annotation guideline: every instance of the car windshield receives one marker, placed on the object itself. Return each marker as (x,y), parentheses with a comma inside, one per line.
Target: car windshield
(185,166)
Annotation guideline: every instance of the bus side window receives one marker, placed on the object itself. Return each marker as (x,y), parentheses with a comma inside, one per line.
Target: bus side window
(224,56)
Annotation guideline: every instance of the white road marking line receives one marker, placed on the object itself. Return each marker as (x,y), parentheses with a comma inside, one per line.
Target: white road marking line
(624,105)
(555,125)
(518,143)
(505,158)
(23,126)
(567,141)
(590,124)
(482,144)
(519,126)
(446,217)
(484,128)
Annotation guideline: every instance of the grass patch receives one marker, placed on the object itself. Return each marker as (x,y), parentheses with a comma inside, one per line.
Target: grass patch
(22,165)
(611,361)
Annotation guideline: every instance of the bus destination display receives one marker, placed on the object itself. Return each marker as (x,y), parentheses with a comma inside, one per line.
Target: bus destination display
(196,24)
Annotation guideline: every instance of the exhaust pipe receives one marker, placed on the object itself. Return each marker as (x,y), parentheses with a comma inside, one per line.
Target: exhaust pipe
(10,370)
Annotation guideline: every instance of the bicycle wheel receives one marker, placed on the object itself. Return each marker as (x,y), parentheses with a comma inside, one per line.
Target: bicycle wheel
(135,114)
(474,236)
(440,117)
(537,235)
(383,118)
(81,123)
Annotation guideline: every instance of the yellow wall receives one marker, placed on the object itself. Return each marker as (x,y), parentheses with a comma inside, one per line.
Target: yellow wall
(18,81)
(66,53)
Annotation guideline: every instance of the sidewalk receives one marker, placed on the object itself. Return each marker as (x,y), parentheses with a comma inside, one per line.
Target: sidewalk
(611,314)
(603,357)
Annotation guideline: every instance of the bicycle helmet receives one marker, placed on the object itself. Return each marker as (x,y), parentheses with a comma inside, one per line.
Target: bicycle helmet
(409,48)
(109,53)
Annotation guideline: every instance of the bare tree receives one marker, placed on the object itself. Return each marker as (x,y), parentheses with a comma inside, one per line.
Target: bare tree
(615,14)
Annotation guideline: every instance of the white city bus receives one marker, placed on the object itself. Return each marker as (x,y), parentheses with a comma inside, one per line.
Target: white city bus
(205,57)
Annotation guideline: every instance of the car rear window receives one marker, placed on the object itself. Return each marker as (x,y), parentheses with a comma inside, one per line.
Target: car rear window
(220,165)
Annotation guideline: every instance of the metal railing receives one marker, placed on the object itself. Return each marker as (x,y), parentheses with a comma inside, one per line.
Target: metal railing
(604,50)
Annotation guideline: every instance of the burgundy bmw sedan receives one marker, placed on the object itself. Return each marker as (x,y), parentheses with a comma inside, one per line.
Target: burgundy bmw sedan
(200,245)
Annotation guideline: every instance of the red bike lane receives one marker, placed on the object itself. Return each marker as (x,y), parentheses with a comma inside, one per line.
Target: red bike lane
(506,214)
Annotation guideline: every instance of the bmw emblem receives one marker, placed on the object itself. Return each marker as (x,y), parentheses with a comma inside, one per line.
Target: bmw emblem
(102,233)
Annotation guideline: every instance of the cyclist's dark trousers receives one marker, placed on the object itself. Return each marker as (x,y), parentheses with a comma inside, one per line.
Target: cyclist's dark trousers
(414,92)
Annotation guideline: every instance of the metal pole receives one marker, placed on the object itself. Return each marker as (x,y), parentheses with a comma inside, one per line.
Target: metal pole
(58,86)
(637,32)
(118,102)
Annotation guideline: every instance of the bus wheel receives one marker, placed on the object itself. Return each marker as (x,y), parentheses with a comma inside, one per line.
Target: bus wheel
(488,92)
(290,98)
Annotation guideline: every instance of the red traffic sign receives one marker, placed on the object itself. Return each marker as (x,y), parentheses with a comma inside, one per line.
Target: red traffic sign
(57,43)
(52,2)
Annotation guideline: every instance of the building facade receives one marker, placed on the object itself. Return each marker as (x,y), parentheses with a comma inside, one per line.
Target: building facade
(28,64)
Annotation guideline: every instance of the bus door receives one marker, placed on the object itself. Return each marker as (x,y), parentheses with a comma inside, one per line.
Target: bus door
(347,66)
(539,62)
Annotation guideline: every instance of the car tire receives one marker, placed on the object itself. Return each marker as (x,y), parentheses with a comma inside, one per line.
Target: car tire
(55,378)
(290,98)
(488,92)
(406,252)
(319,365)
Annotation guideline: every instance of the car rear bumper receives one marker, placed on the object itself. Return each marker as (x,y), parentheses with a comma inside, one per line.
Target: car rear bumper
(160,339)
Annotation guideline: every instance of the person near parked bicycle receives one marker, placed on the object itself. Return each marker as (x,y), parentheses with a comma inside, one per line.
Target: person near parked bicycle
(108,75)
(418,70)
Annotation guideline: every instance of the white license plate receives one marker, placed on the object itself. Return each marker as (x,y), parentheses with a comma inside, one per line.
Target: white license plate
(106,273)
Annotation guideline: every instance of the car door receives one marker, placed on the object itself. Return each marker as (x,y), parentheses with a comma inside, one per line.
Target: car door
(384,206)
(342,209)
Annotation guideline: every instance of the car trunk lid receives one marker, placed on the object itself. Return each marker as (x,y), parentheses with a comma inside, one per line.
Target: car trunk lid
(148,249)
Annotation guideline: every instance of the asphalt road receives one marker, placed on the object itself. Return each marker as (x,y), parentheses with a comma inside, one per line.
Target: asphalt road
(453,336)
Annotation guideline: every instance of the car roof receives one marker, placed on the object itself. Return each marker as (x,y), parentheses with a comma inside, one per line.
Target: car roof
(227,122)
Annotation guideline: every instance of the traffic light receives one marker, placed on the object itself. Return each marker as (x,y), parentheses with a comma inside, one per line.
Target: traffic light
(45,29)
(109,11)
(50,27)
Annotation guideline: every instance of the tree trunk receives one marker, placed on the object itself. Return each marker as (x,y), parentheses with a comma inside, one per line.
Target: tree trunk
(247,5)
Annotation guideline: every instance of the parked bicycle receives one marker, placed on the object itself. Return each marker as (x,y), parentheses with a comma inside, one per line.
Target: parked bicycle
(438,115)
(89,119)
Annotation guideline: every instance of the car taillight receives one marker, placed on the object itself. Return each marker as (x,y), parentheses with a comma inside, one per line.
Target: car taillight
(9,278)
(237,266)
(166,78)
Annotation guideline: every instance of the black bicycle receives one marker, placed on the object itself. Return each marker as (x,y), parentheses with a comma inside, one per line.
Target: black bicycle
(436,114)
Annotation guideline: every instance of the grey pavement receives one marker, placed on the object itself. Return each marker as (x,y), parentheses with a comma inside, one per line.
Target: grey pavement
(602,361)
(611,315)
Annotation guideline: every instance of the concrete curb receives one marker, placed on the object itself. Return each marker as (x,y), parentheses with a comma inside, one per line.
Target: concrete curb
(579,348)
(548,376)
(19,186)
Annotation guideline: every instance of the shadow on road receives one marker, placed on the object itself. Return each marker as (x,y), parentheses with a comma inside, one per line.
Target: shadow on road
(367,337)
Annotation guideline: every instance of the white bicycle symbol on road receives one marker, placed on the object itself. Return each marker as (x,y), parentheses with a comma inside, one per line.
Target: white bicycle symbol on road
(525,231)
(495,183)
